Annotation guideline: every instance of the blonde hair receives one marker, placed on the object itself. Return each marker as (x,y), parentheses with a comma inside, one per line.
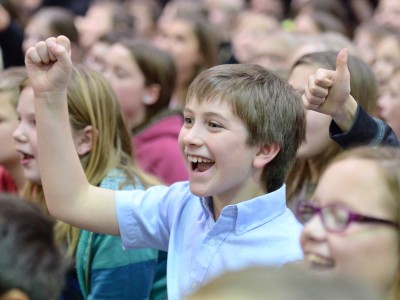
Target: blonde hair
(91,101)
(10,81)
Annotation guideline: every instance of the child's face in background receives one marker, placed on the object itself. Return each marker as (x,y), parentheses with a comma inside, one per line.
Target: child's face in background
(389,103)
(179,39)
(369,251)
(36,30)
(213,145)
(387,53)
(25,136)
(8,123)
(96,22)
(128,83)
(249,35)
(365,45)
(96,56)
(317,128)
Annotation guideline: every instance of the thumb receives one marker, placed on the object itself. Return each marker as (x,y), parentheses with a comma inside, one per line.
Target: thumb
(341,61)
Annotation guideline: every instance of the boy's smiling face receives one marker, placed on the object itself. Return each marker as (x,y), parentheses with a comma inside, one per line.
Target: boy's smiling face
(213,144)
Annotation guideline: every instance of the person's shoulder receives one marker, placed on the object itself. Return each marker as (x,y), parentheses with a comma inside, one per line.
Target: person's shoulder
(288,222)
(181,188)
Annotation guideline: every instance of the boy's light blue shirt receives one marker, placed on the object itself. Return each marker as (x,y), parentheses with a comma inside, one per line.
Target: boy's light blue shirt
(260,231)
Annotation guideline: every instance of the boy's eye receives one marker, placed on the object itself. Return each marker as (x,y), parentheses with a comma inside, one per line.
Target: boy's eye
(214,125)
(188,120)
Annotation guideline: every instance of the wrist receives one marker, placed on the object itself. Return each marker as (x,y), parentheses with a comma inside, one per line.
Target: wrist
(51,99)
(344,118)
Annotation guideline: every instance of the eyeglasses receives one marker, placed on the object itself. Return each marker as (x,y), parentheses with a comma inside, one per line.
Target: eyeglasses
(335,217)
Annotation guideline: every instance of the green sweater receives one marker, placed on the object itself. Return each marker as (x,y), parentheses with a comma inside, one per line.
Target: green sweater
(106,271)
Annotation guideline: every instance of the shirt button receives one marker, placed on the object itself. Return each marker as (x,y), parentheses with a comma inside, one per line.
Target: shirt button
(211,242)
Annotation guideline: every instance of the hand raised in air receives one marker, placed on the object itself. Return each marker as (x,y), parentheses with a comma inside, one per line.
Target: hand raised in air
(328,92)
(49,66)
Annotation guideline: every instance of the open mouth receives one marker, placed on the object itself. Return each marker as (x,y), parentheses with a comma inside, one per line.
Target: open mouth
(317,262)
(25,157)
(200,164)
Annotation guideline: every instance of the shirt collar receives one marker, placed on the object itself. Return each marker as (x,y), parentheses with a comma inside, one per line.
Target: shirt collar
(254,212)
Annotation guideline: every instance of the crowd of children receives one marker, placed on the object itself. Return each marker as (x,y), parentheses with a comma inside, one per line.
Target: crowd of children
(193,149)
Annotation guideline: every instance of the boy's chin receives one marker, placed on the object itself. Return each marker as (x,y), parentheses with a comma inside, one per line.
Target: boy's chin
(199,192)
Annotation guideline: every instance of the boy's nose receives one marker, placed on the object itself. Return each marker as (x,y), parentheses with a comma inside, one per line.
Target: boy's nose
(193,136)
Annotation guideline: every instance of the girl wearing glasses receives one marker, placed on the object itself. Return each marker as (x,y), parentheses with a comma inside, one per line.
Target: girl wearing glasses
(352,221)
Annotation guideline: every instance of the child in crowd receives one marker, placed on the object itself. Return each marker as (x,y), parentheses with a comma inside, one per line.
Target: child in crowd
(41,24)
(50,21)
(145,14)
(389,101)
(243,125)
(387,57)
(12,177)
(190,39)
(103,145)
(31,264)
(143,78)
(352,220)
(102,17)
(319,149)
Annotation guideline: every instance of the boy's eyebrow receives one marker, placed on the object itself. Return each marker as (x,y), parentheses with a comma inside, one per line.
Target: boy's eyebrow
(187,110)
(208,114)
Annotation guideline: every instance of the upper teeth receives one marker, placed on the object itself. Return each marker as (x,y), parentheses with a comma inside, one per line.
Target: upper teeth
(197,159)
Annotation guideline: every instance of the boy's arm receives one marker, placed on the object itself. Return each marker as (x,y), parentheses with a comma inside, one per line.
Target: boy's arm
(328,92)
(68,194)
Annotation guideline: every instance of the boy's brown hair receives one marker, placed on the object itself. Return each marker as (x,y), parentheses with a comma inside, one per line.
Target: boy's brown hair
(267,104)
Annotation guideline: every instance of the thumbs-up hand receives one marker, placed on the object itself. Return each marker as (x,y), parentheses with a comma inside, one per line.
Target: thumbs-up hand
(328,92)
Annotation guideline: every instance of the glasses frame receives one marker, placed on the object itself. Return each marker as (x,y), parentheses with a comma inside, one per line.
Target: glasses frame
(353,217)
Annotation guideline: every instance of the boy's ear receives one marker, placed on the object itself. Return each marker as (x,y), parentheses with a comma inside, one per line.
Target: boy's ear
(265,155)
(151,94)
(14,294)
(85,140)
